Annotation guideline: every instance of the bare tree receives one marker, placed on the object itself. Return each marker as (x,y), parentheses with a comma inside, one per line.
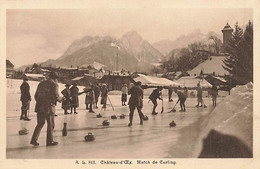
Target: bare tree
(217,43)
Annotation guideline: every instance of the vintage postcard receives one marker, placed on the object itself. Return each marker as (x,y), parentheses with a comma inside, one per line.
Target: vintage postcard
(148,84)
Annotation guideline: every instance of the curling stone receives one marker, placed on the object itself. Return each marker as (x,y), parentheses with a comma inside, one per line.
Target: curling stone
(89,137)
(99,115)
(24,131)
(145,118)
(122,116)
(106,123)
(113,117)
(172,124)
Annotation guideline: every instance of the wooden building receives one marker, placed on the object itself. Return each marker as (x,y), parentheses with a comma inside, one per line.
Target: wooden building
(9,69)
(116,82)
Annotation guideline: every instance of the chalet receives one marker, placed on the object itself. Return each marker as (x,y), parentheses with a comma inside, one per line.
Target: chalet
(116,82)
(37,69)
(85,80)
(9,69)
(212,66)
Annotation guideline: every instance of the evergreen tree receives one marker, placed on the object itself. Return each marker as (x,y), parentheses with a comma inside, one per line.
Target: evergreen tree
(232,62)
(239,63)
(248,52)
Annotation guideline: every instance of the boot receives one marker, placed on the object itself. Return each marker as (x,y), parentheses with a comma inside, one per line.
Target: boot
(22,113)
(26,117)
(21,117)
(130,119)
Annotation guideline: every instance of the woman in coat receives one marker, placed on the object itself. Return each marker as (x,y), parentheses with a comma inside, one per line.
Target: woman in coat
(90,97)
(66,102)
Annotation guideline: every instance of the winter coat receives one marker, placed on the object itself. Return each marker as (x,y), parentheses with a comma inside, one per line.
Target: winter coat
(25,92)
(46,96)
(136,98)
(124,90)
(214,91)
(199,92)
(104,92)
(74,90)
(90,96)
(155,94)
(66,102)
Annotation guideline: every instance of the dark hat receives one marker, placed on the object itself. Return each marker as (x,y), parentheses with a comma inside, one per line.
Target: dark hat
(53,75)
(160,87)
(138,83)
(25,78)
(67,85)
(74,84)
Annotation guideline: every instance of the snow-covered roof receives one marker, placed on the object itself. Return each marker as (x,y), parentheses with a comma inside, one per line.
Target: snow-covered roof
(34,75)
(209,66)
(77,78)
(220,78)
(191,81)
(154,81)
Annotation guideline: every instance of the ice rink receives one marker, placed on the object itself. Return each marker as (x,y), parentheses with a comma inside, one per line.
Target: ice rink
(154,139)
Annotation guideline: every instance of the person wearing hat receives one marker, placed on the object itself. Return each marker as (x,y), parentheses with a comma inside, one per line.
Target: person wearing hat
(136,101)
(124,91)
(25,99)
(46,97)
(74,104)
(156,94)
(104,94)
(66,102)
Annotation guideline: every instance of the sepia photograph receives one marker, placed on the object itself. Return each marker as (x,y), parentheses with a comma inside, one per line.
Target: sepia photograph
(129,83)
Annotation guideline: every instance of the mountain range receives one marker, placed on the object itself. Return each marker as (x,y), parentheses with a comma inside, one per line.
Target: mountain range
(166,46)
(130,51)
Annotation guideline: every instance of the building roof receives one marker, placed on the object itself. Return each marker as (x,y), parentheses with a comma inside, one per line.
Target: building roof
(188,81)
(215,64)
(154,81)
(9,64)
(227,27)
(34,75)
(77,78)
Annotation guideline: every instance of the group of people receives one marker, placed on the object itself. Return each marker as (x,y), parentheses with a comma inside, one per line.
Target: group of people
(47,96)
(92,93)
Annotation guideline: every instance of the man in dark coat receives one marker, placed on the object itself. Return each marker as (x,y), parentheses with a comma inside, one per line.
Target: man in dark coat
(46,97)
(156,94)
(25,99)
(136,101)
(74,91)
(104,95)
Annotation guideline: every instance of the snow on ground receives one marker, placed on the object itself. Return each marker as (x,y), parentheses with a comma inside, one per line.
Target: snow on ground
(233,116)
(154,139)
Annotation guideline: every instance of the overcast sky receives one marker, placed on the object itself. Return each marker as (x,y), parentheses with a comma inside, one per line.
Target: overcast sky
(38,35)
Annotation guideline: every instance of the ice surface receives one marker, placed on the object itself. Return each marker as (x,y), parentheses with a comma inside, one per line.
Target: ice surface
(154,139)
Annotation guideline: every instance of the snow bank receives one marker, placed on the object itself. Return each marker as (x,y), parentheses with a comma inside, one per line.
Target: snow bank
(233,116)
